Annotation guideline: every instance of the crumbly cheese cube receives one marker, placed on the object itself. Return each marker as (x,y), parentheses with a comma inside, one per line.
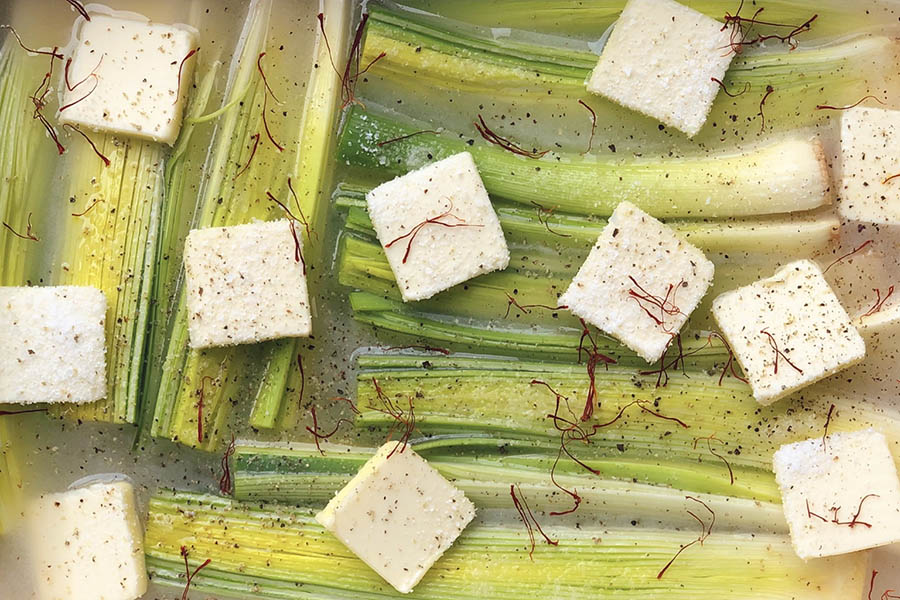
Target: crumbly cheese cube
(88,543)
(124,77)
(398,515)
(640,282)
(788,331)
(463,239)
(245,284)
(52,344)
(828,483)
(660,60)
(870,153)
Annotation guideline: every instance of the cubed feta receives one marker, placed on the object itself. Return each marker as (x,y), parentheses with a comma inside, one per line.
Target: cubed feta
(462,240)
(660,60)
(870,154)
(640,282)
(398,514)
(52,344)
(244,284)
(839,496)
(88,543)
(788,331)
(124,77)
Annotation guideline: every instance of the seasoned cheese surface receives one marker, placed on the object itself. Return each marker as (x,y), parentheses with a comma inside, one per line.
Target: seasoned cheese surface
(660,60)
(870,154)
(398,514)
(124,78)
(788,331)
(245,284)
(640,282)
(52,344)
(843,477)
(463,240)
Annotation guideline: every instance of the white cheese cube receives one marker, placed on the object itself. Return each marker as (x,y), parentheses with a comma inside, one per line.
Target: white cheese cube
(660,60)
(640,282)
(839,497)
(870,154)
(463,239)
(52,344)
(88,543)
(124,77)
(244,284)
(788,331)
(398,515)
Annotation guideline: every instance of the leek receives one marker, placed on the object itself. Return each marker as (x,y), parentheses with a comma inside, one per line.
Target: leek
(25,153)
(233,179)
(511,71)
(10,481)
(542,225)
(575,17)
(780,177)
(298,474)
(267,551)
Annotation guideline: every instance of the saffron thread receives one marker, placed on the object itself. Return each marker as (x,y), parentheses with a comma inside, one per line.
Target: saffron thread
(730,94)
(827,423)
(188,574)
(705,532)
(593,126)
(314,430)
(779,353)
(709,439)
(406,137)
(29,234)
(544,215)
(848,255)
(92,144)
(503,142)
(80,9)
(848,107)
(879,301)
(762,124)
(411,235)
(404,419)
(180,69)
(225,482)
(528,518)
(255,137)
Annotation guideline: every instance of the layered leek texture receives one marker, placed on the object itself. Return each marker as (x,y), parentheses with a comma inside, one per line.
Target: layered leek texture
(243,167)
(266,551)
(10,480)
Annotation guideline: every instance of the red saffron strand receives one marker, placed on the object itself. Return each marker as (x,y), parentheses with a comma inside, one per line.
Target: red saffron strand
(200,398)
(404,419)
(52,53)
(779,353)
(666,305)
(225,483)
(705,532)
(298,248)
(740,35)
(891,178)
(302,219)
(810,514)
(92,144)
(641,404)
(180,70)
(879,301)
(827,423)
(543,215)
(872,584)
(855,520)
(406,137)
(848,255)
(762,124)
(263,75)
(266,126)
(80,9)
(4,413)
(594,357)
(503,142)
(528,518)
(730,94)
(709,439)
(29,234)
(848,107)
(314,430)
(255,139)
(350,76)
(188,574)
(593,125)
(302,377)
(524,308)
(38,99)
(72,87)
(411,235)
